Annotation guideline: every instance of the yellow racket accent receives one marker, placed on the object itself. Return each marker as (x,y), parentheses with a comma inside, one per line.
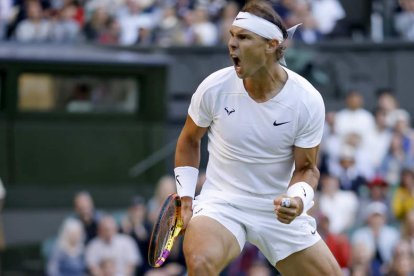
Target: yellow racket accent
(165,231)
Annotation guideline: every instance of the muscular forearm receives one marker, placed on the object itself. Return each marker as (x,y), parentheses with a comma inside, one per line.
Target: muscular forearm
(187,152)
(308,175)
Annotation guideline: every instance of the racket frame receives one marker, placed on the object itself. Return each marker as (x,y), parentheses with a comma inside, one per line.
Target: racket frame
(173,233)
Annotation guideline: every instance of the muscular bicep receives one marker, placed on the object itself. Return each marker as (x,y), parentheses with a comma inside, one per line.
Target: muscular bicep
(188,144)
(306,165)
(192,131)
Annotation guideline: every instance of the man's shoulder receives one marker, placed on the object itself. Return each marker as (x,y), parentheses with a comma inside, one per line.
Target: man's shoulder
(303,94)
(302,85)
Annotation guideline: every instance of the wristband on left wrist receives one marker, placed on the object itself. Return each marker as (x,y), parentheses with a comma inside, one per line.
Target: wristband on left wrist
(304,191)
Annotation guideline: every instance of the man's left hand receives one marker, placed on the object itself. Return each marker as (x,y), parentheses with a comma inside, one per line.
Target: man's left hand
(286,214)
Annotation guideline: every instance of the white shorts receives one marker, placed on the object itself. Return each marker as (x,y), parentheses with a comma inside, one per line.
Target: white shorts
(253,219)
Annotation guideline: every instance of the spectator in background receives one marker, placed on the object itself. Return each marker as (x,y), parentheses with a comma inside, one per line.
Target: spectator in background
(380,140)
(183,7)
(107,267)
(361,258)
(35,28)
(407,229)
(354,125)
(165,186)
(6,14)
(94,27)
(86,213)
(132,20)
(118,251)
(67,258)
(136,225)
(78,14)
(284,8)
(340,207)
(354,119)
(378,236)
(347,170)
(403,199)
(330,145)
(302,14)
(402,126)
(395,160)
(112,32)
(169,30)
(204,31)
(337,243)
(378,191)
(404,20)
(327,13)
(111,6)
(228,14)
(64,28)
(402,261)
(145,36)
(387,102)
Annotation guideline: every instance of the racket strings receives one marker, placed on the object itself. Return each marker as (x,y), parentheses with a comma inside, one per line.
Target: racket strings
(164,230)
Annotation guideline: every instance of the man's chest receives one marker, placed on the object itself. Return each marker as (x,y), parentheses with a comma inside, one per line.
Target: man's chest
(270,126)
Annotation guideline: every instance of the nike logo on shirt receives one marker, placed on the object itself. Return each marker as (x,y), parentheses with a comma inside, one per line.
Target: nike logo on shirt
(279,124)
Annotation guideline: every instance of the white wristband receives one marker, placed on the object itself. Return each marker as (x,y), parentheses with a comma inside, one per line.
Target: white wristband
(304,191)
(186,180)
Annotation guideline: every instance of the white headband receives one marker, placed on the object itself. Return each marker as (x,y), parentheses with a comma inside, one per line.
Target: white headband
(258,26)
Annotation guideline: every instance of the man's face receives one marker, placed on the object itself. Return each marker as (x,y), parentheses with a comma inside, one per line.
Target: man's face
(354,101)
(84,207)
(107,229)
(248,51)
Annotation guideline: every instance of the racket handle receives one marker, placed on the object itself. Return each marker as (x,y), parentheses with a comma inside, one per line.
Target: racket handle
(163,257)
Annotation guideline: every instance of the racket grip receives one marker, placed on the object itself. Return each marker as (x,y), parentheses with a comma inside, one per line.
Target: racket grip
(163,257)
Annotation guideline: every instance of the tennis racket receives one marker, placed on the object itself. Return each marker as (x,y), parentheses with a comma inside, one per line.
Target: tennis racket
(167,227)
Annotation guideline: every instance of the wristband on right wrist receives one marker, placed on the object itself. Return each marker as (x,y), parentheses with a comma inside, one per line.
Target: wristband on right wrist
(186,180)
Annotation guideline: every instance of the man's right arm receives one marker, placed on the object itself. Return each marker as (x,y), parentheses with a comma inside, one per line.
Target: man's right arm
(187,154)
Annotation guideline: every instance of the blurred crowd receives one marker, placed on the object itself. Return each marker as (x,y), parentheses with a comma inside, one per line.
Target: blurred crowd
(364,206)
(184,22)
(94,242)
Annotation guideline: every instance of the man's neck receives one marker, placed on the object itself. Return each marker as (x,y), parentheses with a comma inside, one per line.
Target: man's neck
(266,84)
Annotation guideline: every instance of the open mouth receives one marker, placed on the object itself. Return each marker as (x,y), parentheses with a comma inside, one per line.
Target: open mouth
(236,62)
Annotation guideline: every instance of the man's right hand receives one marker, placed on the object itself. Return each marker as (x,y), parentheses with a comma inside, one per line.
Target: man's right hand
(186,210)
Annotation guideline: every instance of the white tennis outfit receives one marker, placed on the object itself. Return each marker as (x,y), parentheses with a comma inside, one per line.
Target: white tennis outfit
(251,158)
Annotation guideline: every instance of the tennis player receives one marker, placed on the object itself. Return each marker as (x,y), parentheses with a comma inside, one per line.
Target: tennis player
(264,124)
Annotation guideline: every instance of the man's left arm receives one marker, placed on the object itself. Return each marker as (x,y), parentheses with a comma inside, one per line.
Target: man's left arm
(302,185)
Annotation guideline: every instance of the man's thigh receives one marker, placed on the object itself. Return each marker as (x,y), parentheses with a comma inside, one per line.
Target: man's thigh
(207,238)
(316,260)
